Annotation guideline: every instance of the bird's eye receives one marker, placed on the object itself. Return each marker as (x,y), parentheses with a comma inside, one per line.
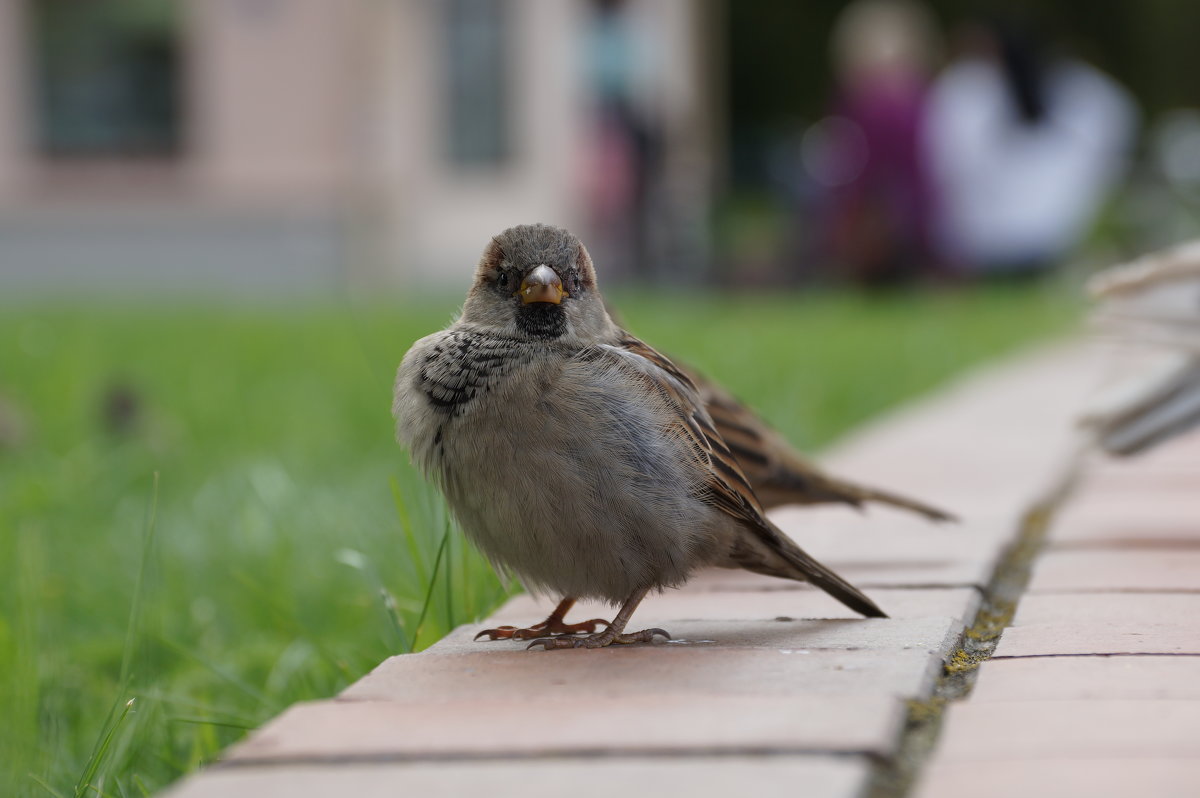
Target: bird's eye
(502,280)
(573,285)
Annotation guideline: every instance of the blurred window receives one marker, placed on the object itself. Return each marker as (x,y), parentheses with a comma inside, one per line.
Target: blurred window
(476,52)
(106,76)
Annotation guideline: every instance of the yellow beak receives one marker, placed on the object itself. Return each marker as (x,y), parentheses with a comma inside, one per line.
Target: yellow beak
(542,285)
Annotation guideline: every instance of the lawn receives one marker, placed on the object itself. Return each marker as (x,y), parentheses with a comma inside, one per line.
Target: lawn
(206,512)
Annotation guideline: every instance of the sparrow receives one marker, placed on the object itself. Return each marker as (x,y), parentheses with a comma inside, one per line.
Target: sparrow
(575,456)
(1153,302)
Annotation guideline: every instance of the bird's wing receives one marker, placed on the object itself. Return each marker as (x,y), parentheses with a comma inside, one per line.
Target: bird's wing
(725,484)
(722,484)
(781,475)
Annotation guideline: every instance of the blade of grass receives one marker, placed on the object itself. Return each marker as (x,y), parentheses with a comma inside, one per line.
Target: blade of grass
(106,738)
(410,537)
(226,724)
(432,583)
(226,676)
(180,701)
(36,779)
(134,628)
(133,635)
(24,679)
(393,614)
(446,535)
(100,792)
(391,607)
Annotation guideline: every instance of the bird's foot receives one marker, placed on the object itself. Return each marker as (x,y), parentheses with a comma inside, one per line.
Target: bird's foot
(606,638)
(551,627)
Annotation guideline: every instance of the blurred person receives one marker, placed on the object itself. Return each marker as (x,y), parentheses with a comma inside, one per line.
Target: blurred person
(624,141)
(1024,149)
(879,202)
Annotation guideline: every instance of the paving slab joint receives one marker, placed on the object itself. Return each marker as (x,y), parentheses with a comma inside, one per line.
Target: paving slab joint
(895,776)
(599,754)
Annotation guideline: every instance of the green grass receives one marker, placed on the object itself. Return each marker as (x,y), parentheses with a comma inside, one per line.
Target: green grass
(253,536)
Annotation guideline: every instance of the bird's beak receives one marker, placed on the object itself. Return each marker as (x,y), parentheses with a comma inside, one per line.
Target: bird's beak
(542,285)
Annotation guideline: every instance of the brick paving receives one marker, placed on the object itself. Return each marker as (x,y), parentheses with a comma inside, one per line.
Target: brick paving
(1095,688)
(771,687)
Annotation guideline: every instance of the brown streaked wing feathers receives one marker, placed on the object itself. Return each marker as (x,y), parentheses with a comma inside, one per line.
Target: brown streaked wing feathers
(727,486)
(778,473)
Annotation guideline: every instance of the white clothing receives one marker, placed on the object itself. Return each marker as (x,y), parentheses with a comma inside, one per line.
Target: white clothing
(1012,193)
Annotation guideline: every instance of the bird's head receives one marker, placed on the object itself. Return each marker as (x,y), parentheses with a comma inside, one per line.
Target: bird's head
(537,281)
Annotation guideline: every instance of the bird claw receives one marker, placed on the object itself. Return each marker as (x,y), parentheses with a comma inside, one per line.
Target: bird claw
(499,633)
(600,640)
(550,628)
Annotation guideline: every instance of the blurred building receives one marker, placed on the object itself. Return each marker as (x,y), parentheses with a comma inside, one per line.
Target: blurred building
(307,142)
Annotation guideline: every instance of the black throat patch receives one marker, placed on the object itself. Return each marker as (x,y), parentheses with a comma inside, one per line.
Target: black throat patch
(542,320)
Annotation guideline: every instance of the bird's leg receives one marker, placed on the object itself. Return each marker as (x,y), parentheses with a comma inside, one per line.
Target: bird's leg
(554,625)
(615,633)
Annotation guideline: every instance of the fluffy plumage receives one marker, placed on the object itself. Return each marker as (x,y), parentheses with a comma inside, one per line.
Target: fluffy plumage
(573,454)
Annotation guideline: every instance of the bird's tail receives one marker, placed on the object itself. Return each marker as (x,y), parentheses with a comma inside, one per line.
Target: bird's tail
(806,569)
(812,486)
